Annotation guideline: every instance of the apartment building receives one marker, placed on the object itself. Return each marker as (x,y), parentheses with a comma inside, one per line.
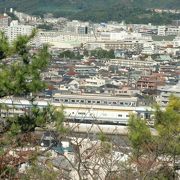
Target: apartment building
(130,63)
(151,82)
(4,21)
(161,30)
(15,29)
(166,92)
(59,39)
(78,27)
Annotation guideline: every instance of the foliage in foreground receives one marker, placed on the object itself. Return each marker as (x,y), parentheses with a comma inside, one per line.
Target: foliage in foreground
(156,156)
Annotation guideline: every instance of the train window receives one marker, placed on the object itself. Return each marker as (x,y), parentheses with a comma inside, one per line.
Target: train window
(88,102)
(121,103)
(98,102)
(82,101)
(127,115)
(81,113)
(73,101)
(114,102)
(119,115)
(105,102)
(94,102)
(56,100)
(66,100)
(77,101)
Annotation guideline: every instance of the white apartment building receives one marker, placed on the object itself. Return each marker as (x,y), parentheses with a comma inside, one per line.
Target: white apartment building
(94,82)
(123,35)
(24,17)
(15,30)
(78,27)
(110,27)
(166,92)
(172,30)
(4,21)
(176,42)
(62,39)
(161,30)
(168,30)
(130,63)
(148,48)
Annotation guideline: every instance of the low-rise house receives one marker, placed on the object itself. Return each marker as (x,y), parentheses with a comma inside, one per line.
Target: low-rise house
(126,91)
(85,70)
(94,82)
(68,84)
(109,89)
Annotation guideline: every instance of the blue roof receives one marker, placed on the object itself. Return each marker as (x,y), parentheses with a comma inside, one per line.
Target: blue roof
(61,149)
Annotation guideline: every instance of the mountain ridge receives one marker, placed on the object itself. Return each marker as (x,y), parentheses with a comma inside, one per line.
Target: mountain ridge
(95,10)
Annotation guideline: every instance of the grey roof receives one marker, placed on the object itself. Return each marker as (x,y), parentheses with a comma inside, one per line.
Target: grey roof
(66,81)
(175,88)
(165,38)
(61,162)
(109,86)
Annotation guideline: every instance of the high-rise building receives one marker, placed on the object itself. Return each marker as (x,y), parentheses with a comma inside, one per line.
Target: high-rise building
(78,27)
(161,30)
(15,29)
(4,21)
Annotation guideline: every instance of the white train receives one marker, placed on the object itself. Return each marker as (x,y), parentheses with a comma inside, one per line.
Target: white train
(85,108)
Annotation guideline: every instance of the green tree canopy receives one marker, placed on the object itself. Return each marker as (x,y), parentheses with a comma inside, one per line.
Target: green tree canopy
(160,151)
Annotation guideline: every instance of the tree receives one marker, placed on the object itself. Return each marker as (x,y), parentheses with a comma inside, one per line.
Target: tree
(20,76)
(101,53)
(70,54)
(154,156)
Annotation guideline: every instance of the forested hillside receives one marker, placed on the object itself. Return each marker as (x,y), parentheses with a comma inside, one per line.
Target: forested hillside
(97,10)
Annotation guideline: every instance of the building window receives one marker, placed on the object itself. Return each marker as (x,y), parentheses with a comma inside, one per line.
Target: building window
(119,115)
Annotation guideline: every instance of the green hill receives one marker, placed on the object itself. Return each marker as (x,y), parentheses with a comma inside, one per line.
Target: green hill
(97,10)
